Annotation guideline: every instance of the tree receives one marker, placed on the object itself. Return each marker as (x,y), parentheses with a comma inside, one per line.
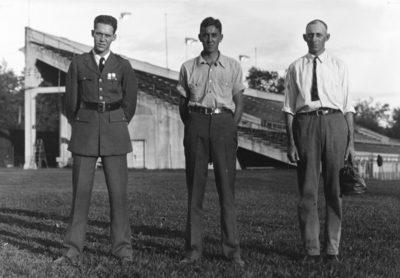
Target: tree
(48,110)
(264,80)
(11,99)
(372,116)
(394,131)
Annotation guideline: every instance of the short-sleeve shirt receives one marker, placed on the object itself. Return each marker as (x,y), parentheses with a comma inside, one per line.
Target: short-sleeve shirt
(211,85)
(333,85)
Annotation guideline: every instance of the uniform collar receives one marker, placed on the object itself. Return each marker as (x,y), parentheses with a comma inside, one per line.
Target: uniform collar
(220,61)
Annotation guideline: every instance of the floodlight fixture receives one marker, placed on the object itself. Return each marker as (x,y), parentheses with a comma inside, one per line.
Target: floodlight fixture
(190,41)
(125,15)
(244,58)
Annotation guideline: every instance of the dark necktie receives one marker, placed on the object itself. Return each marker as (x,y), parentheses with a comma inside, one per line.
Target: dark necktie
(314,88)
(101,64)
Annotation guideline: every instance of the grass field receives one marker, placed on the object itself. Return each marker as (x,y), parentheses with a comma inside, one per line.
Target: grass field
(34,209)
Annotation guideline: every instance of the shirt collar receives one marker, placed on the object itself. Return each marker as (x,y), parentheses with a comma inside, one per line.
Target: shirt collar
(221,60)
(310,57)
(98,57)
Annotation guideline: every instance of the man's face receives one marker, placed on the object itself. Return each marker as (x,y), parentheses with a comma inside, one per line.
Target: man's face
(210,37)
(103,36)
(315,37)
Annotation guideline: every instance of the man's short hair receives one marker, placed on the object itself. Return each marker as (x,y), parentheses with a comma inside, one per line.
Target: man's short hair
(316,21)
(210,21)
(106,19)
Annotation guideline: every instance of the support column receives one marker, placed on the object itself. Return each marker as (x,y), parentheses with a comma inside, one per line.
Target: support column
(30,129)
(32,80)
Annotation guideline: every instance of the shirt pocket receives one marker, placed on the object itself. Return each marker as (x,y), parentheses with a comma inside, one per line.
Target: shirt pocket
(117,116)
(335,90)
(84,115)
(194,92)
(225,91)
(85,83)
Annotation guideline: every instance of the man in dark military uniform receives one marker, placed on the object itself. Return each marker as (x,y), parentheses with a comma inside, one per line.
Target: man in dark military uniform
(101,95)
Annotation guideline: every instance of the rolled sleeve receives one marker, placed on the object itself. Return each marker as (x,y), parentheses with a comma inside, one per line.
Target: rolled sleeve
(183,87)
(289,103)
(348,105)
(238,85)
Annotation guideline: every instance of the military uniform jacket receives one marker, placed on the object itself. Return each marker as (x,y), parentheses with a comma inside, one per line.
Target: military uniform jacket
(97,133)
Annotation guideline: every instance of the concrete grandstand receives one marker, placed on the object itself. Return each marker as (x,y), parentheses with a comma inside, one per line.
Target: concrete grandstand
(156,130)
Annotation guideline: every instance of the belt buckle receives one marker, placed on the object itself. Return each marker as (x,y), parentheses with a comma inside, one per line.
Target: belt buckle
(217,111)
(321,112)
(206,111)
(101,107)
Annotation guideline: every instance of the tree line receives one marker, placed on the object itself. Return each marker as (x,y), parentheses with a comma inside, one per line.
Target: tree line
(373,116)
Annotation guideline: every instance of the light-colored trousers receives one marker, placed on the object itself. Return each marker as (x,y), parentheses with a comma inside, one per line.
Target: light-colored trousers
(320,140)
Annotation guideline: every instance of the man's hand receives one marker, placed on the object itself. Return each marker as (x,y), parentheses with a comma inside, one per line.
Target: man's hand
(350,152)
(292,153)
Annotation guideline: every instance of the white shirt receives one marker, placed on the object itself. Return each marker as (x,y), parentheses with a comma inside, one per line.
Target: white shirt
(333,85)
(98,57)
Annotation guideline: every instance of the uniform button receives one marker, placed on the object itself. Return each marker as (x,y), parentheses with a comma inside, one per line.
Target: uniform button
(100,80)
(210,80)
(210,69)
(101,89)
(101,98)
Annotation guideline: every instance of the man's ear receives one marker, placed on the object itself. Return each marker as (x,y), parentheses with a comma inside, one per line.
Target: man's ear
(93,33)
(199,37)
(305,37)
(222,36)
(114,37)
(328,36)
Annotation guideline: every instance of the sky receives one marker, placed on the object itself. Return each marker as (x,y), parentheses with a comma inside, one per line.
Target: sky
(365,34)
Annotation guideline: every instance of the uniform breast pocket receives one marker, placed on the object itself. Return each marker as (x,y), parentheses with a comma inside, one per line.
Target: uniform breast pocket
(85,83)
(114,85)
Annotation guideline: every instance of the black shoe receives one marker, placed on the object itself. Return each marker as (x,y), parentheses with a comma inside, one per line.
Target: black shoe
(238,262)
(126,262)
(187,261)
(332,259)
(63,260)
(311,259)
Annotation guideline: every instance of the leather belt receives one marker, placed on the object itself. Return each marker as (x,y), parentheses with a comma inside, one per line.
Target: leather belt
(209,111)
(100,106)
(320,112)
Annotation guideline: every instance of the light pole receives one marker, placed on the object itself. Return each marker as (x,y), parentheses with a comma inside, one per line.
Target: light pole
(124,16)
(189,41)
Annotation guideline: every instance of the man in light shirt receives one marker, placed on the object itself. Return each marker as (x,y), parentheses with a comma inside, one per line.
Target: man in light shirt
(101,96)
(211,106)
(319,123)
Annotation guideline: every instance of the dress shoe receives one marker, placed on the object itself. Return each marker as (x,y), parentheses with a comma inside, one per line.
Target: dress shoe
(311,258)
(187,261)
(332,259)
(238,262)
(63,260)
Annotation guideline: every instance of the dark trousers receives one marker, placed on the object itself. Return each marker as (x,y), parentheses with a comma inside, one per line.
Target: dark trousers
(211,137)
(116,174)
(320,139)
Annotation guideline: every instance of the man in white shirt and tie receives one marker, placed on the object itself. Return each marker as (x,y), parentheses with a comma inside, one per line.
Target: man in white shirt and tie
(319,123)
